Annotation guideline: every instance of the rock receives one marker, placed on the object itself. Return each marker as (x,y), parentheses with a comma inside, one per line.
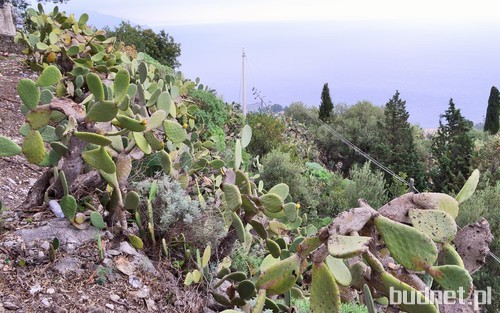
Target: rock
(56,208)
(125,247)
(35,289)
(51,291)
(61,229)
(151,305)
(141,293)
(68,264)
(45,245)
(110,306)
(114,298)
(135,281)
(10,306)
(9,244)
(124,266)
(45,302)
(41,255)
(113,252)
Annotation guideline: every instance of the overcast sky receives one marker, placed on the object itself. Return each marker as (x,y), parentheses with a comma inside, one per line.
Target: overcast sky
(430,51)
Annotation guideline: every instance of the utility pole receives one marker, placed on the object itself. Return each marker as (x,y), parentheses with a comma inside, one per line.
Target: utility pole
(244,106)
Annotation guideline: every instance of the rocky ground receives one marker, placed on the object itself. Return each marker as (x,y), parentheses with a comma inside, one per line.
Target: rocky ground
(80,277)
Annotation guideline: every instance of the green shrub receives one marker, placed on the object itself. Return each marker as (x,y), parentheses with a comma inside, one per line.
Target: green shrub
(302,114)
(267,133)
(175,212)
(212,114)
(279,168)
(484,203)
(487,158)
(302,306)
(367,184)
(160,46)
(247,262)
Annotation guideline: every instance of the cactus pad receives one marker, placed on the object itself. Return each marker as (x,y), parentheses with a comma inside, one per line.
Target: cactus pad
(246,136)
(96,220)
(95,86)
(437,201)
(290,210)
(281,190)
(423,304)
(237,154)
(370,305)
(50,76)
(238,226)
(347,246)
(450,256)
(166,162)
(233,197)
(436,224)
(68,206)
(93,138)
(407,245)
(246,289)
(142,142)
(121,84)
(132,200)
(271,202)
(273,248)
(470,186)
(102,111)
(29,93)
(281,276)
(100,159)
(8,147)
(156,120)
(325,295)
(33,148)
(131,123)
(136,242)
(38,117)
(174,131)
(452,277)
(339,270)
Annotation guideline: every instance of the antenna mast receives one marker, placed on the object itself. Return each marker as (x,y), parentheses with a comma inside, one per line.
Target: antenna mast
(244,106)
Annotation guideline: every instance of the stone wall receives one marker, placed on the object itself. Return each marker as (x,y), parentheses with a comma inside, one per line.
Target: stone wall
(7,45)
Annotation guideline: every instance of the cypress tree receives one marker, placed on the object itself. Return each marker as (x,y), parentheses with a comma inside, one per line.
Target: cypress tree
(326,106)
(397,148)
(491,123)
(452,149)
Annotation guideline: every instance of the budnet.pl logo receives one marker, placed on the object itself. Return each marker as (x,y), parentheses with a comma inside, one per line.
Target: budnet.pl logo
(479,297)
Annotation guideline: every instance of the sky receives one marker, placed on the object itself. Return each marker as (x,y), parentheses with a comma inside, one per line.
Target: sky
(430,51)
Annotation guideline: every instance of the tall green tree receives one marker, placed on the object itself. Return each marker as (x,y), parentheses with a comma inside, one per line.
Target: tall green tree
(452,150)
(492,123)
(160,46)
(397,149)
(326,106)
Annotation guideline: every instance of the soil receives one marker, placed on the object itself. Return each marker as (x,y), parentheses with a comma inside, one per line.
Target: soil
(77,278)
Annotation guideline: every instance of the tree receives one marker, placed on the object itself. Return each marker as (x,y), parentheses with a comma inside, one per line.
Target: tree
(397,148)
(491,123)
(19,8)
(276,108)
(160,46)
(452,149)
(326,106)
(359,125)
